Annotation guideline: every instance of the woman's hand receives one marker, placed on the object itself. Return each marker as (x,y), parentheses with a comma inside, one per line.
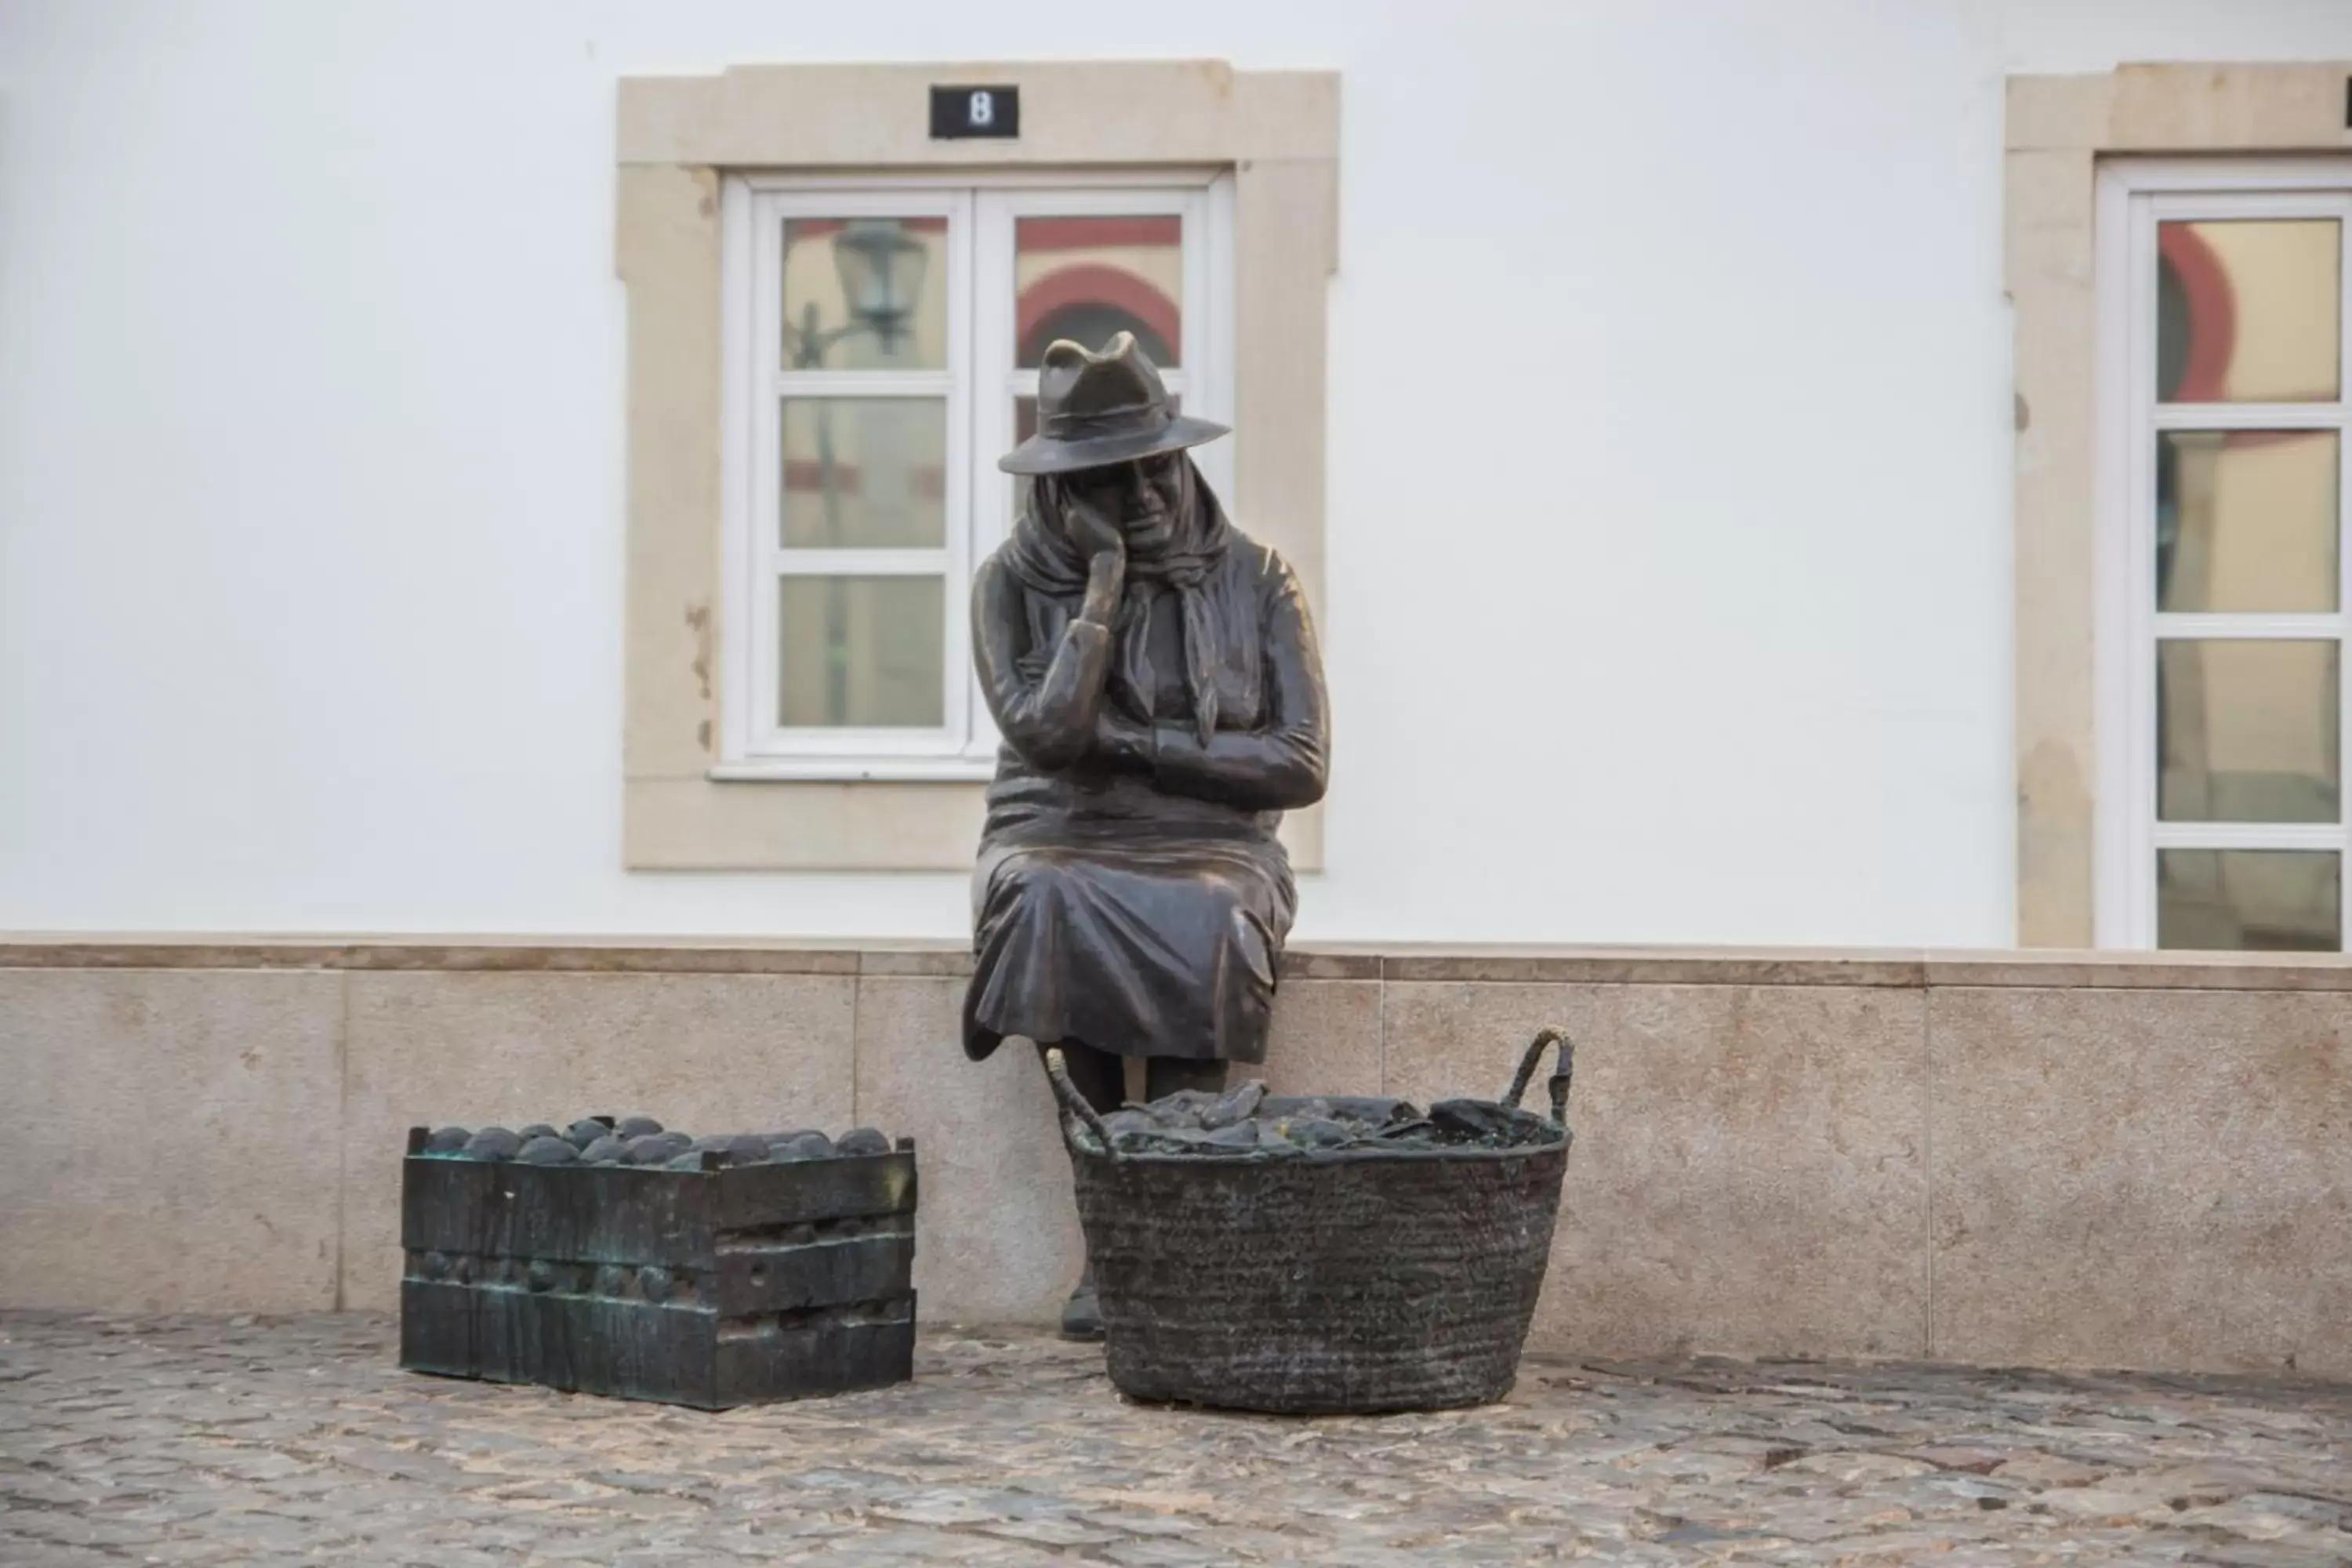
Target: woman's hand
(1096,534)
(1098,538)
(1120,739)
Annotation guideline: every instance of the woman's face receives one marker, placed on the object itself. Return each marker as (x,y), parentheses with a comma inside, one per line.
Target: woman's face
(1144,497)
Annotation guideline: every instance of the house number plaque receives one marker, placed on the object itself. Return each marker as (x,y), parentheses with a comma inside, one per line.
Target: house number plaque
(964,112)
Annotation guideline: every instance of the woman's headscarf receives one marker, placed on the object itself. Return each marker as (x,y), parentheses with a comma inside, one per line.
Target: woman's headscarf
(1043,556)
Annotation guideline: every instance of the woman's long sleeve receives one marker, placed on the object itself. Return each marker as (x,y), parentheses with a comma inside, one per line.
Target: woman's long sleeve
(1049,721)
(1282,765)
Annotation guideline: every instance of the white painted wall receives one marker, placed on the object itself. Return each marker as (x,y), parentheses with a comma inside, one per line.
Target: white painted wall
(1670,407)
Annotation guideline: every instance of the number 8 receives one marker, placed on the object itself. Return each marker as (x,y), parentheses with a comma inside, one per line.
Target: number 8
(983,108)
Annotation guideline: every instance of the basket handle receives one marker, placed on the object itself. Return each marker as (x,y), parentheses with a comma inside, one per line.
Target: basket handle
(1562,1071)
(1073,1104)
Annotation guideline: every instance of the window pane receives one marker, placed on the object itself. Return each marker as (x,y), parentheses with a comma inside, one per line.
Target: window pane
(1089,278)
(864,473)
(2246,731)
(2245,520)
(2247,310)
(862,651)
(2249,900)
(865,293)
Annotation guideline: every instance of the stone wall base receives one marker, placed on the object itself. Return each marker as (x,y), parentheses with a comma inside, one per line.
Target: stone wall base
(2061,1160)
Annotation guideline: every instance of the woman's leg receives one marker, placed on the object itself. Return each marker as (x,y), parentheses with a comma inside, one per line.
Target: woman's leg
(1100,1079)
(1099,1076)
(1166,1075)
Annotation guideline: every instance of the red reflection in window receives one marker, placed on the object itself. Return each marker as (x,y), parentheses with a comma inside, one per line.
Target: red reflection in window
(2211,310)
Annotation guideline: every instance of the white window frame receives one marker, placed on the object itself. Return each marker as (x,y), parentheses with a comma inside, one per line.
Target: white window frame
(979,384)
(2132,197)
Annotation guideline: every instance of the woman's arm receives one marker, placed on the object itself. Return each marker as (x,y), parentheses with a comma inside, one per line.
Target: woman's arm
(1282,764)
(1050,721)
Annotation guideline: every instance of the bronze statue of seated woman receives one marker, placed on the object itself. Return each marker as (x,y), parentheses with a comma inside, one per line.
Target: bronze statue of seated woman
(1154,675)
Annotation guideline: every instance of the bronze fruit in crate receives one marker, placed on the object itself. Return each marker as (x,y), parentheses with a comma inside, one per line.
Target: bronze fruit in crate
(709,1272)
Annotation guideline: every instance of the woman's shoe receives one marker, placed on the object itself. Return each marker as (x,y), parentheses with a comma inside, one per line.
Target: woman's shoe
(1082,1313)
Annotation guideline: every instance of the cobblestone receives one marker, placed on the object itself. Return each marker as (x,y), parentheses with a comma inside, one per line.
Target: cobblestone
(233,1441)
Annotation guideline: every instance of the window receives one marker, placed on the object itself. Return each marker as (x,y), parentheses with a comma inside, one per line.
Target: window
(708,782)
(2225,313)
(884,341)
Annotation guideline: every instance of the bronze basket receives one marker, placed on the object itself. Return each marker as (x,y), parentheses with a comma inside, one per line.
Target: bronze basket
(1335,1281)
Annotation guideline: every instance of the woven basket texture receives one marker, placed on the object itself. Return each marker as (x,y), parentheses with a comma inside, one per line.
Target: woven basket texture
(1359,1281)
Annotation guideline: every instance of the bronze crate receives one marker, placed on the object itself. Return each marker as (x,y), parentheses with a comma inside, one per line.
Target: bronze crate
(724,1286)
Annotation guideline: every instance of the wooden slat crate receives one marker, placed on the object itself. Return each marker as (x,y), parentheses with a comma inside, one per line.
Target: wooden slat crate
(726,1286)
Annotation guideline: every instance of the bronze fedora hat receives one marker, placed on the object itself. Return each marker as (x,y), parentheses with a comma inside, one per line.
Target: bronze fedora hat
(1095,409)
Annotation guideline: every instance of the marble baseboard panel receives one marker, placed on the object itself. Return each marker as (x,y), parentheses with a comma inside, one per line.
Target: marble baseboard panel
(2067,1160)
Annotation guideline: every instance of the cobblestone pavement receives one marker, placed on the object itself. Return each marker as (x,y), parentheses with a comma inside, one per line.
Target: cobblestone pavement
(195,1440)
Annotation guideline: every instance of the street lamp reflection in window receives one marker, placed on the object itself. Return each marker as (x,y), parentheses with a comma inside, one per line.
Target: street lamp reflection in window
(879,267)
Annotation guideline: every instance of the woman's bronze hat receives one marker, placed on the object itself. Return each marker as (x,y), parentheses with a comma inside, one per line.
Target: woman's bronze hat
(1095,409)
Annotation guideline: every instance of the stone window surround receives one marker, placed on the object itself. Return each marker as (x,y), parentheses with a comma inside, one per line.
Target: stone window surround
(2057,130)
(1278,130)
